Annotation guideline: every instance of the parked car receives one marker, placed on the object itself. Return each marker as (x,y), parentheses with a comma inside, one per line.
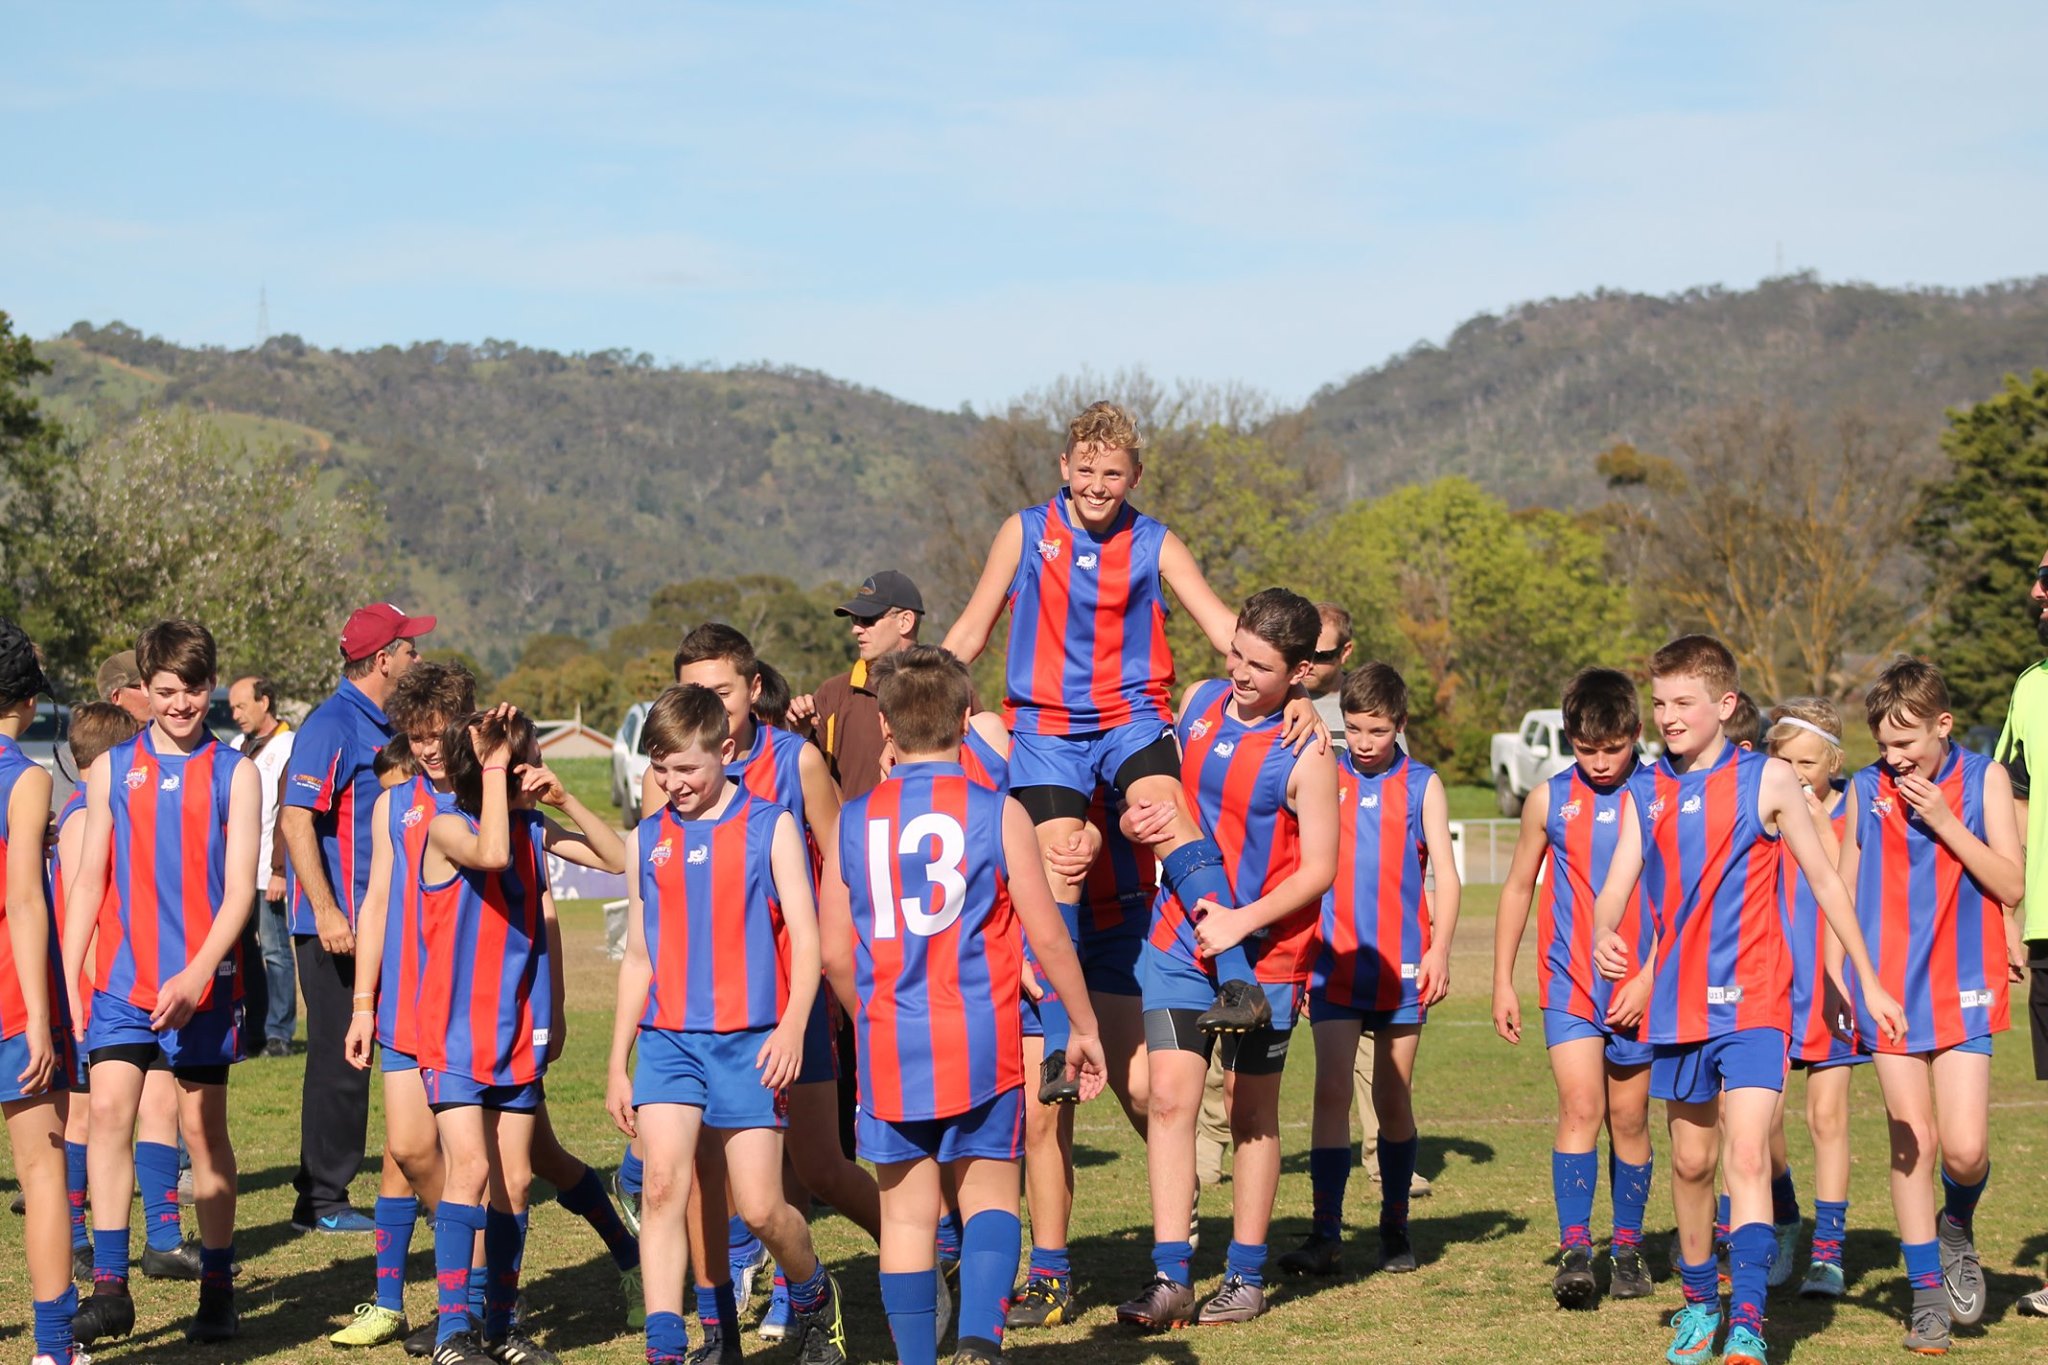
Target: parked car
(46,730)
(220,717)
(1531,755)
(629,758)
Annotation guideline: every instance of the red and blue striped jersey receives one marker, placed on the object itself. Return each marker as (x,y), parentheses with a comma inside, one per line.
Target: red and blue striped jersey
(1936,938)
(1375,916)
(408,812)
(1806,931)
(937,951)
(1087,625)
(1582,827)
(170,854)
(983,764)
(332,773)
(1710,875)
(485,1010)
(81,997)
(769,768)
(1235,779)
(13,1008)
(1123,879)
(712,919)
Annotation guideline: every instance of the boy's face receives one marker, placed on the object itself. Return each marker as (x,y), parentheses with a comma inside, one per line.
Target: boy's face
(1604,762)
(179,707)
(739,694)
(691,778)
(1811,757)
(1099,478)
(1259,674)
(1370,737)
(426,748)
(1688,714)
(1912,747)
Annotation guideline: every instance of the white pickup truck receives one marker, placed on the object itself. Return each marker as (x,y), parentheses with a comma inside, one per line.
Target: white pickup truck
(1528,757)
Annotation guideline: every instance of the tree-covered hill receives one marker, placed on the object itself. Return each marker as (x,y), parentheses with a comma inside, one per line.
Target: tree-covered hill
(1521,401)
(528,491)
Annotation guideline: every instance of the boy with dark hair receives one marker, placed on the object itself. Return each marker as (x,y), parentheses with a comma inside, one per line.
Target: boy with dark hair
(177,815)
(1933,849)
(1745,729)
(1274,818)
(923,890)
(1385,959)
(1089,674)
(721,962)
(1599,1060)
(35,1025)
(1702,847)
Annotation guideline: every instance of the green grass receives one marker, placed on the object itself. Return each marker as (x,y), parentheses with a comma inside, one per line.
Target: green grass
(1472,803)
(1484,1238)
(589,779)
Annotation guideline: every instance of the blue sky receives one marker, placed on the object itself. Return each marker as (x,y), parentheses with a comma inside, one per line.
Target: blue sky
(957,203)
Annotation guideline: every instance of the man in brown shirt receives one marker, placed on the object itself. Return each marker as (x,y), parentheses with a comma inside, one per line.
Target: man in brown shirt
(847,724)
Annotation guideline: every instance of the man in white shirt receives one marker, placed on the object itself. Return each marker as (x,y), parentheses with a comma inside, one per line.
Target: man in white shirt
(267,740)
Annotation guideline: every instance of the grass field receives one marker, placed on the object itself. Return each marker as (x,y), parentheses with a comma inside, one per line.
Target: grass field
(1484,1238)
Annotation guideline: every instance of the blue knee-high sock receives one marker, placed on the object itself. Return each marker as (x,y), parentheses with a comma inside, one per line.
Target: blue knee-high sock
(74,1185)
(1329,1171)
(807,1296)
(53,1325)
(631,1169)
(742,1247)
(588,1201)
(1194,872)
(217,1267)
(1721,1221)
(1830,1229)
(156,1175)
(455,1229)
(1630,1186)
(1784,1198)
(1572,1176)
(504,1249)
(1397,1173)
(1959,1202)
(110,1259)
(668,1341)
(1247,1261)
(718,1311)
(395,1219)
(1050,1263)
(479,1293)
(910,1298)
(1701,1282)
(1173,1259)
(988,1270)
(1752,1249)
(1923,1264)
(949,1237)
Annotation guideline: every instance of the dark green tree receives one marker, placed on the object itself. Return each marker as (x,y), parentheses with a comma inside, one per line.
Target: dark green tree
(31,464)
(1982,530)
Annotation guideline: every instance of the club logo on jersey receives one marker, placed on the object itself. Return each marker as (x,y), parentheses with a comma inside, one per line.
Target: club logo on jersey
(1656,808)
(1048,550)
(1881,806)
(169,784)
(1224,749)
(661,853)
(1199,728)
(135,778)
(1724,995)
(1569,811)
(1084,561)
(412,817)
(1692,805)
(700,854)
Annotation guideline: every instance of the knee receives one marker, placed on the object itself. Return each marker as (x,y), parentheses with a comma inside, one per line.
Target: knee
(664,1189)
(1749,1158)
(1578,1113)
(1692,1165)
(1167,1108)
(1912,1140)
(757,1208)
(1966,1157)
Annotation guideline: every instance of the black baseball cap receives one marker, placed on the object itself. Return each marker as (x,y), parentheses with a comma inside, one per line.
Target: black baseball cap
(21,669)
(885,591)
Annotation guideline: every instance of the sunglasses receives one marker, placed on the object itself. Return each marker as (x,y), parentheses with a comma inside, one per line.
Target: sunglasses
(2041,575)
(1330,656)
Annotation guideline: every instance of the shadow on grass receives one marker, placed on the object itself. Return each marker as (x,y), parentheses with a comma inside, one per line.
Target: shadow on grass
(1432,1157)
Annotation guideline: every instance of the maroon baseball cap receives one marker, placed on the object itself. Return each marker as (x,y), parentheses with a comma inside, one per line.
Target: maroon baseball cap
(372,628)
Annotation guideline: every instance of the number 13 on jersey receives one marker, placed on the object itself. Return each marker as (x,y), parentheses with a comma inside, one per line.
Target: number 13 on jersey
(940,877)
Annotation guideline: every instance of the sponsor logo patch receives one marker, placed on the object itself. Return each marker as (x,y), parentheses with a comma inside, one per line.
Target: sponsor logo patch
(1084,561)
(1724,995)
(699,854)
(1692,805)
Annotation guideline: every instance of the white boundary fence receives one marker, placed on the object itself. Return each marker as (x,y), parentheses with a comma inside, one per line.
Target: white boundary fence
(1483,849)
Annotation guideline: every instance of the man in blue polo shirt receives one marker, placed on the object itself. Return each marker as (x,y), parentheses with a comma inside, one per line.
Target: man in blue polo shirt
(330,789)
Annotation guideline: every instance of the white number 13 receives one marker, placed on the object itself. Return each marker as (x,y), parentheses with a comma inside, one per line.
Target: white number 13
(946,873)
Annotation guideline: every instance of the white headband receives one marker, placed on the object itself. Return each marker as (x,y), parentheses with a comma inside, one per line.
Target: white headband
(1807,726)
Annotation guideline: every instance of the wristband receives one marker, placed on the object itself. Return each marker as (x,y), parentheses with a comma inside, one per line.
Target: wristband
(362,1000)
(363,1014)
(494,767)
